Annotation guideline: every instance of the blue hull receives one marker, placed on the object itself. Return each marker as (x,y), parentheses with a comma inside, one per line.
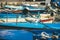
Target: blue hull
(33,25)
(27,24)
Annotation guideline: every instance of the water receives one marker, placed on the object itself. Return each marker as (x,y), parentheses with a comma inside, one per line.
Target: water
(15,35)
(10,34)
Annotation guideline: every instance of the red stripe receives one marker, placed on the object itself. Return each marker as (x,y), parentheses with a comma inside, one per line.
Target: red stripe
(46,20)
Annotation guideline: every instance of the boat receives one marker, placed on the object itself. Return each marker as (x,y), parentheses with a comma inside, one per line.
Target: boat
(14,8)
(36,20)
(33,5)
(45,18)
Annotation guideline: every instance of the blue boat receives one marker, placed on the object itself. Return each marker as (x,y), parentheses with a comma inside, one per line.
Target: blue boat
(11,19)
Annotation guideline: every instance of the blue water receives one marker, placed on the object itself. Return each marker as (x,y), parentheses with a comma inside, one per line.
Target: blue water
(9,34)
(15,35)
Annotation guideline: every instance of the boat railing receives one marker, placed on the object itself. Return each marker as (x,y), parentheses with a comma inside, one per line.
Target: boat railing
(7,19)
